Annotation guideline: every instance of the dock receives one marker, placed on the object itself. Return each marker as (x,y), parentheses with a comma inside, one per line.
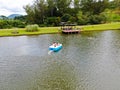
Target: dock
(69,29)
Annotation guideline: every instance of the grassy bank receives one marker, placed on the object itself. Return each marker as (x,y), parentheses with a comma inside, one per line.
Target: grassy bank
(50,30)
(22,31)
(108,26)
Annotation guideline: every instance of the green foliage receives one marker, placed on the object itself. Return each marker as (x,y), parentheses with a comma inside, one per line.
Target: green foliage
(42,9)
(72,19)
(66,17)
(3,24)
(36,13)
(82,19)
(97,19)
(63,6)
(11,23)
(112,15)
(53,21)
(114,4)
(21,18)
(32,28)
(17,23)
(51,10)
(46,12)
(94,6)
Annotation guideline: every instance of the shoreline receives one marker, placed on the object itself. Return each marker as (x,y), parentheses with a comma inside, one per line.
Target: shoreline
(55,30)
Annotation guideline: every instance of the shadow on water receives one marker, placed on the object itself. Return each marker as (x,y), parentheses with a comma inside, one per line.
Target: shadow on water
(58,76)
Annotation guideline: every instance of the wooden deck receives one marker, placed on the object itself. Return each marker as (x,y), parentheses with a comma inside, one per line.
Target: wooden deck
(70,31)
(69,28)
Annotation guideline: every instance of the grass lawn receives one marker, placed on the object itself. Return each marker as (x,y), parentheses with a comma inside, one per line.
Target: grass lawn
(22,31)
(50,30)
(108,26)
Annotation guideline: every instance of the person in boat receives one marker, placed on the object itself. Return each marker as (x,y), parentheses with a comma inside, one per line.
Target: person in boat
(55,44)
(58,44)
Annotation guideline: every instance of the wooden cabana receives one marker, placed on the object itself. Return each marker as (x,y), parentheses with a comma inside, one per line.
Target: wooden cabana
(69,28)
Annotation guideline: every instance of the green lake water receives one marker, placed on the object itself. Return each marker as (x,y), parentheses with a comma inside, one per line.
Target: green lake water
(87,61)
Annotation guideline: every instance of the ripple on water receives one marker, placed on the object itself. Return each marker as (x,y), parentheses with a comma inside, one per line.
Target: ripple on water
(37,73)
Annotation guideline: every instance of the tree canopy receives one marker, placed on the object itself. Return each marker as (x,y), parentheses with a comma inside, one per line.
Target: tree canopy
(41,11)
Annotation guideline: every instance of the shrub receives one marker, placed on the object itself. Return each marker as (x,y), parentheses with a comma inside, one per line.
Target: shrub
(5,24)
(82,21)
(97,19)
(32,28)
(53,21)
(11,23)
(66,17)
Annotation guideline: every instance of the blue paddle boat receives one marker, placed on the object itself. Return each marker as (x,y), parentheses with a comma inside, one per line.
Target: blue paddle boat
(55,47)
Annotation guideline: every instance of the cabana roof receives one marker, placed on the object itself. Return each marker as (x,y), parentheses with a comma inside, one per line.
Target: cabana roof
(67,24)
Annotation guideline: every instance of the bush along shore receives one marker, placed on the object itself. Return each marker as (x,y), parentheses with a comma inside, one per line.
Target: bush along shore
(35,30)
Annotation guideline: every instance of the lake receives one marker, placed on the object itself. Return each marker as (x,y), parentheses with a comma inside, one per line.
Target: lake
(87,61)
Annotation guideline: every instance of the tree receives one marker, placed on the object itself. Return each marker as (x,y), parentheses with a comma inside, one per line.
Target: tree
(21,18)
(94,6)
(3,17)
(52,10)
(30,13)
(82,19)
(37,11)
(41,9)
(74,8)
(62,6)
(116,3)
(100,6)
(65,18)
